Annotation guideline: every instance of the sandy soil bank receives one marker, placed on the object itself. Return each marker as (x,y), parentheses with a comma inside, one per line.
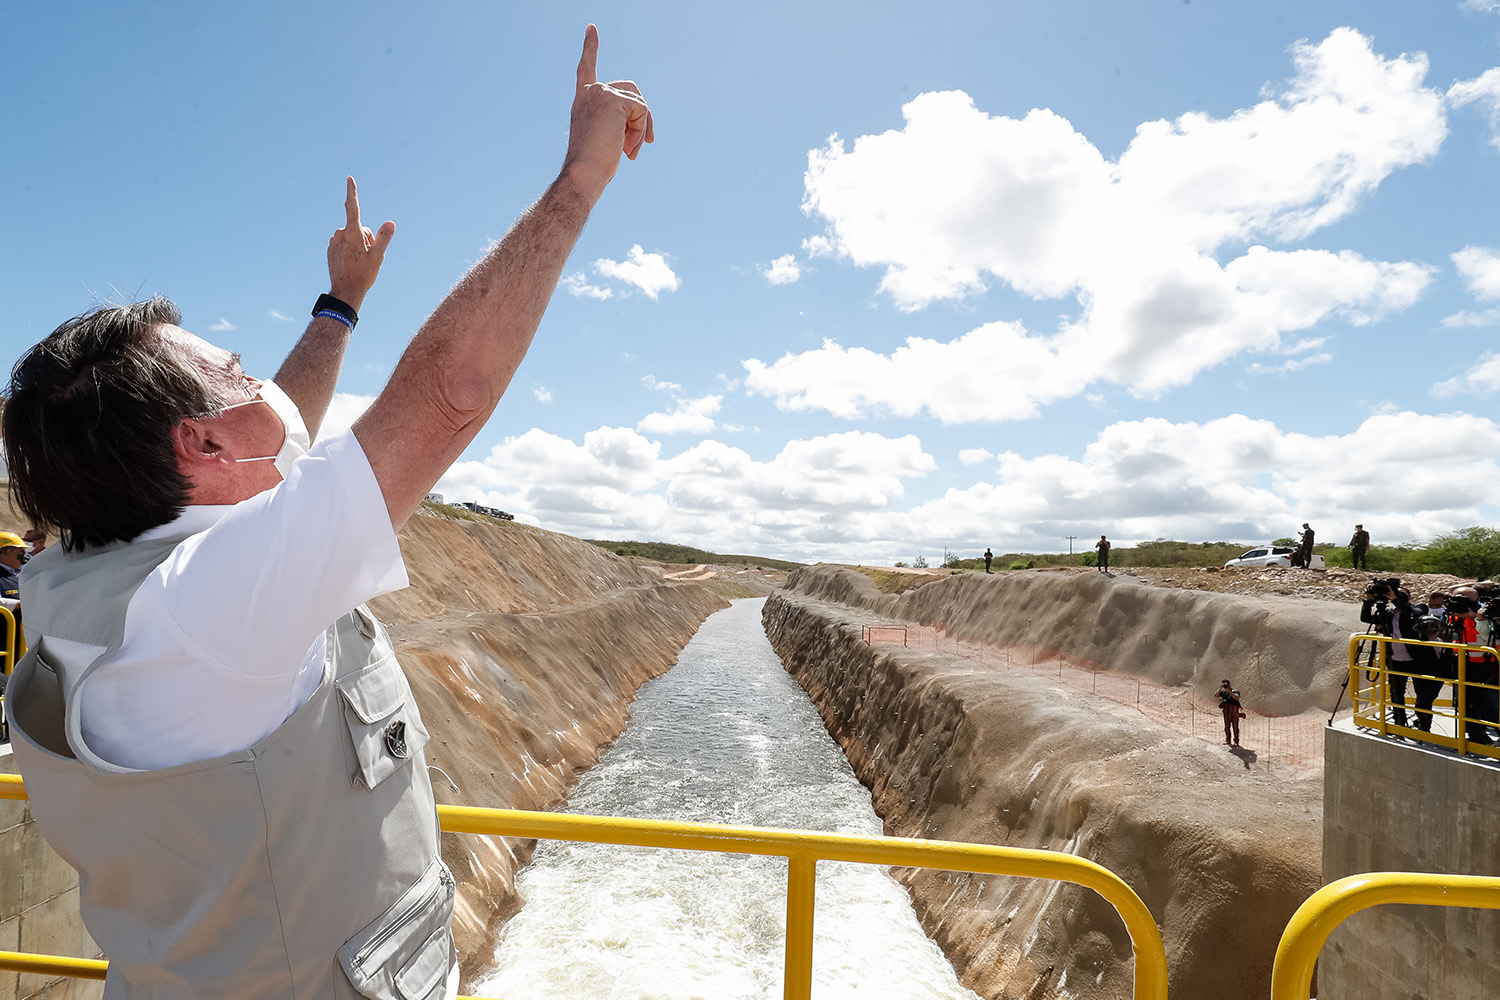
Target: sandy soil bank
(525,649)
(1286,654)
(955,749)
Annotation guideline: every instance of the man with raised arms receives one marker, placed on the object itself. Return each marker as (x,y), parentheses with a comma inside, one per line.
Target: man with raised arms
(212,728)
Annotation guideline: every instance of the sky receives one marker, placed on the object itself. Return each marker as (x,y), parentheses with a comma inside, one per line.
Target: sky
(889,283)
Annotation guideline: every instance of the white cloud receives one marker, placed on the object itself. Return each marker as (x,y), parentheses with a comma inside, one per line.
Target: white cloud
(1480,268)
(1458,320)
(1483,378)
(578,286)
(1480,6)
(1235,479)
(343,410)
(542,394)
(657,385)
(222,326)
(974,456)
(691,416)
(280,317)
(1290,365)
(842,496)
(648,272)
(784,270)
(616,483)
(958,198)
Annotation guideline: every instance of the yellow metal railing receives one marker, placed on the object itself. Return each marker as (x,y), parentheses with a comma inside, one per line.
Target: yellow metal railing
(1370,693)
(1291,975)
(12,639)
(803,850)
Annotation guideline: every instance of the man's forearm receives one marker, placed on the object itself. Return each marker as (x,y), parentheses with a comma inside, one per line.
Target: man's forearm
(459,364)
(311,371)
(486,323)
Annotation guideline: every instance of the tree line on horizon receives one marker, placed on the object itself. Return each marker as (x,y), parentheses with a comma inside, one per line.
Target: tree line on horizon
(1472,552)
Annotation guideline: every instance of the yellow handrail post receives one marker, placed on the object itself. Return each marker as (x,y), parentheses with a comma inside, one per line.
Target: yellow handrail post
(1461,702)
(1354,643)
(12,636)
(1306,932)
(1382,685)
(801,886)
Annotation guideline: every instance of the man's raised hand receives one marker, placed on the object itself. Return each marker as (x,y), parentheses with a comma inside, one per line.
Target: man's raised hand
(355,254)
(607,119)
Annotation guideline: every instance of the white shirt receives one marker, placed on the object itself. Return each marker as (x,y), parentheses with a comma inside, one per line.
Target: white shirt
(226,638)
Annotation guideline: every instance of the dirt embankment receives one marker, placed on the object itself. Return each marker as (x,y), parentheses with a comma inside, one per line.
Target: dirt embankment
(524,649)
(953,749)
(1287,655)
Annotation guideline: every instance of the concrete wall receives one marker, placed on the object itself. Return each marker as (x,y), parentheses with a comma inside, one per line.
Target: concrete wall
(38,905)
(1397,806)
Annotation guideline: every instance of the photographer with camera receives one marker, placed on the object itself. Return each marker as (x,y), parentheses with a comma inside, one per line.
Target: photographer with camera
(1482,704)
(1411,621)
(1376,611)
(1232,710)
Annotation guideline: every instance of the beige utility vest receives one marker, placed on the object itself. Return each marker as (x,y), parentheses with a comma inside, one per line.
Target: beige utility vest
(305,866)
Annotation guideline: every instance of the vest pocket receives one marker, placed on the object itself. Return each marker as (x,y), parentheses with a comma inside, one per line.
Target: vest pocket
(383,722)
(406,953)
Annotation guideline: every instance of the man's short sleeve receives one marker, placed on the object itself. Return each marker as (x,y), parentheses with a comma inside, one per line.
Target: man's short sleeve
(255,589)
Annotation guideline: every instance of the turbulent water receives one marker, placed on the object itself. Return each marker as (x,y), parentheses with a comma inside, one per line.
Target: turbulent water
(726,736)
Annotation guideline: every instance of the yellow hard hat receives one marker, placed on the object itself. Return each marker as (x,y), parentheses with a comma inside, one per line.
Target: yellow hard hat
(11,540)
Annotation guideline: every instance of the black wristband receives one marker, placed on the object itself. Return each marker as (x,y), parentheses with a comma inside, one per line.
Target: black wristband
(328,304)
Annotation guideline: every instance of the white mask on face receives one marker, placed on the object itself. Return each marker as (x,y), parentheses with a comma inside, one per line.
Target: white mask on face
(296,442)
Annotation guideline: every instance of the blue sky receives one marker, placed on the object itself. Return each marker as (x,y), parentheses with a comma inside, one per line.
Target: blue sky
(887,282)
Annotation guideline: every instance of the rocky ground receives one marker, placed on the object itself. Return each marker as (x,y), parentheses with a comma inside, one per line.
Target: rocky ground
(1261,581)
(1279,581)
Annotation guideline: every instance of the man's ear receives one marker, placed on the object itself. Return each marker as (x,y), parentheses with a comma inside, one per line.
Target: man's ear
(195,444)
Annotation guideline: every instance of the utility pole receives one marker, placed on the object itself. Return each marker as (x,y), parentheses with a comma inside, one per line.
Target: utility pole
(1070,543)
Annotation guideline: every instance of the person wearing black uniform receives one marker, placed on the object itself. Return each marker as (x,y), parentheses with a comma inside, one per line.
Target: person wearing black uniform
(1229,704)
(1359,546)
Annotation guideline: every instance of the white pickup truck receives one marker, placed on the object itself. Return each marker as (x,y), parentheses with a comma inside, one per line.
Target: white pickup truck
(1272,555)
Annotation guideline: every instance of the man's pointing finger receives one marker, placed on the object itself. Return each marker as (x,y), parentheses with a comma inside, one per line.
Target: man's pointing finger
(351,204)
(588,62)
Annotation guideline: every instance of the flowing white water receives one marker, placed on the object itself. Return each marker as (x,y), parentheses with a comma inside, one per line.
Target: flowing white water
(725,736)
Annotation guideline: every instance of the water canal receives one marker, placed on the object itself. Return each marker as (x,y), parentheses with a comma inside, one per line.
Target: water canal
(725,736)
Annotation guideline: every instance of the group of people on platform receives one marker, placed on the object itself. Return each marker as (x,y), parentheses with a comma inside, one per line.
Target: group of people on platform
(1465,614)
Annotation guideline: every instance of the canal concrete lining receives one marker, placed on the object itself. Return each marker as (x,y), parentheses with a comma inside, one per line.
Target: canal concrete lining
(958,750)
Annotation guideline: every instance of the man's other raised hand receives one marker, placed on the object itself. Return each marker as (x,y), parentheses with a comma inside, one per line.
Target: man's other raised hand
(354,253)
(607,119)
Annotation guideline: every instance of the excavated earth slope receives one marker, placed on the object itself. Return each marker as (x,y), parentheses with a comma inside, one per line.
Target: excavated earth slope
(524,649)
(957,750)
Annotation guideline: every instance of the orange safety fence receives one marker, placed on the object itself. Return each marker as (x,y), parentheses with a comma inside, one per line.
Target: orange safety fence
(1293,741)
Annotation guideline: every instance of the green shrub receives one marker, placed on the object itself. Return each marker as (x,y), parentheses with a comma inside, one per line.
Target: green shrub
(1091,559)
(1023,564)
(1472,552)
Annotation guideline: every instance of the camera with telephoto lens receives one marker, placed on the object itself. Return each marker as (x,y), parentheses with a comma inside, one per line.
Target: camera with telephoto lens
(1455,606)
(1382,589)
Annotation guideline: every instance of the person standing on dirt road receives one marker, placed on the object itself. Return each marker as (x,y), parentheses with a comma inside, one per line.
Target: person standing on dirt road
(1102,547)
(1359,544)
(1229,705)
(989,557)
